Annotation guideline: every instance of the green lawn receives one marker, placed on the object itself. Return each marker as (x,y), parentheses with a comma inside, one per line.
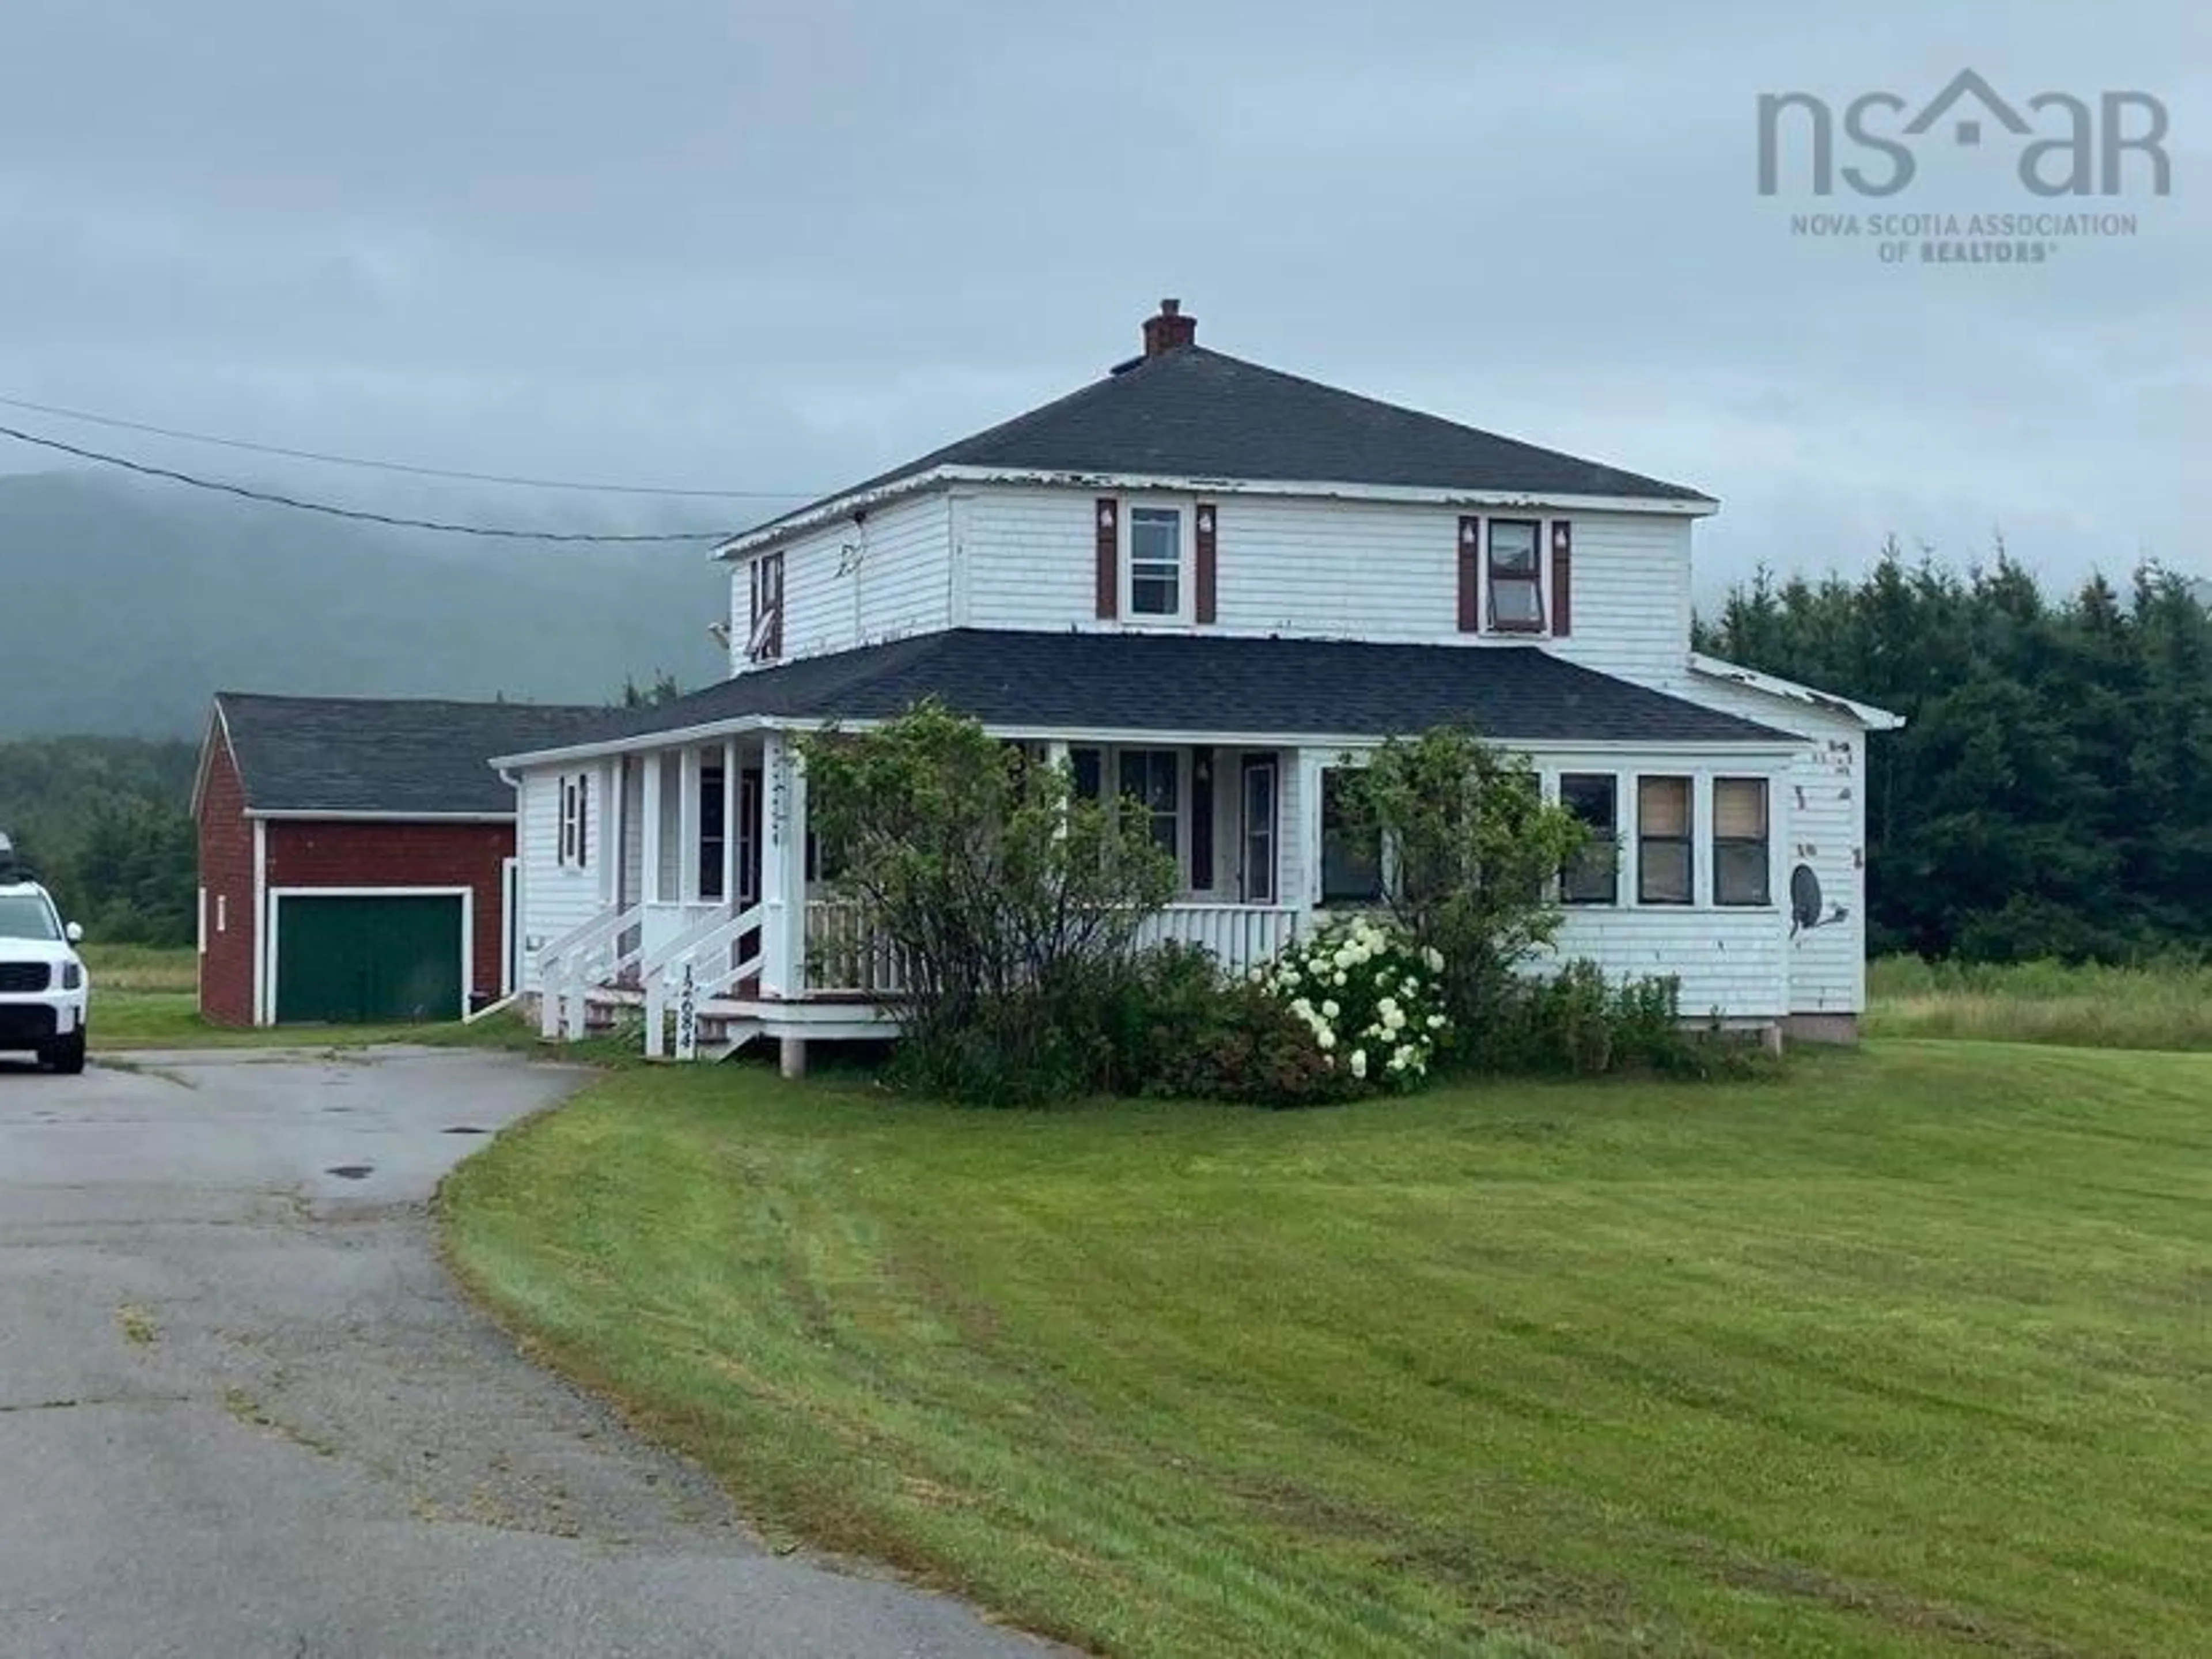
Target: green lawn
(1910,1353)
(147,998)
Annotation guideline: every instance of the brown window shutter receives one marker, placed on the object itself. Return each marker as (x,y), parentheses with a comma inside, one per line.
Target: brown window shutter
(1109,582)
(1562,585)
(1206,563)
(1470,575)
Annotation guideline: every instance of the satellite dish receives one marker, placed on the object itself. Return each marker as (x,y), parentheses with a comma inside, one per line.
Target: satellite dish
(1804,898)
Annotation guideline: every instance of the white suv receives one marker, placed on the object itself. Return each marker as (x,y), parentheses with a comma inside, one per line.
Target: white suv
(43,994)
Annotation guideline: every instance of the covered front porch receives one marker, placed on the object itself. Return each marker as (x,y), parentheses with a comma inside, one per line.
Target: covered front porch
(719,924)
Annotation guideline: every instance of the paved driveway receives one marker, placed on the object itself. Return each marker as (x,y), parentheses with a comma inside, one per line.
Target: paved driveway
(242,1413)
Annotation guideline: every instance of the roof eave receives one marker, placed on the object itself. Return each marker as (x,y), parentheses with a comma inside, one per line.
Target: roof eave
(731,726)
(1772,742)
(843,506)
(341,814)
(1773,685)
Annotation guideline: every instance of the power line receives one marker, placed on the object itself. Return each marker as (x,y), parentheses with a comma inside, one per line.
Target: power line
(121,425)
(494,531)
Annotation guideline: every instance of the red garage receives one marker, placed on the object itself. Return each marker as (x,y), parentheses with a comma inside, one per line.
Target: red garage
(357,855)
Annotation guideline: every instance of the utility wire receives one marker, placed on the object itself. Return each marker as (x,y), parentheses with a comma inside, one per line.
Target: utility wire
(492,532)
(123,425)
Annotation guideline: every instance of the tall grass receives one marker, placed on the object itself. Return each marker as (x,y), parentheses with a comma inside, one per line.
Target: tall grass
(143,966)
(2161,1006)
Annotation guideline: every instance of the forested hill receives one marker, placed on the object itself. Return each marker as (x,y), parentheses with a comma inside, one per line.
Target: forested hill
(2053,793)
(124,604)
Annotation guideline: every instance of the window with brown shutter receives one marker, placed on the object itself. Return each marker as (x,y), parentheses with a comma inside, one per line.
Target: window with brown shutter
(1470,575)
(764,638)
(1517,581)
(1563,586)
(1206,574)
(1108,580)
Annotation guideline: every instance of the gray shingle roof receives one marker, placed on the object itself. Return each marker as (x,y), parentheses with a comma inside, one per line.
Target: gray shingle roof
(1192,412)
(403,758)
(1187,683)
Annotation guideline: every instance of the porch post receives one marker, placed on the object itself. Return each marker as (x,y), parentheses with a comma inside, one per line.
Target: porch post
(1309,832)
(649,865)
(1055,756)
(783,871)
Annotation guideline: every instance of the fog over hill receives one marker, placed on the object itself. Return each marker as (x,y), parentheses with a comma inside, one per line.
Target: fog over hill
(124,603)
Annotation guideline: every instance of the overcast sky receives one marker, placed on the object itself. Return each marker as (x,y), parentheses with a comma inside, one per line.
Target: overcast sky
(711,244)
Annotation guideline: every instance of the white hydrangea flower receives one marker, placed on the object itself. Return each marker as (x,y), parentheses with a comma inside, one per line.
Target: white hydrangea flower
(1329,1006)
(1341,979)
(1436,1022)
(1433,959)
(1326,1037)
(1394,1021)
(1359,1062)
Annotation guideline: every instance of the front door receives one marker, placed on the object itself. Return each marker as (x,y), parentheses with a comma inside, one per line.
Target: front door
(749,836)
(1255,861)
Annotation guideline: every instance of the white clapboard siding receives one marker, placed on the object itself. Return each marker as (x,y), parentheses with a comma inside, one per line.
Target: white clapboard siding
(1335,569)
(1731,962)
(1631,594)
(556,900)
(1824,819)
(852,584)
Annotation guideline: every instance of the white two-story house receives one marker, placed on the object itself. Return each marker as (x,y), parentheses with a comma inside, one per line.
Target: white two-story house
(1211,586)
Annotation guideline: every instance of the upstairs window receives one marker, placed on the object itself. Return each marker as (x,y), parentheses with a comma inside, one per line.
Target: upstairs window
(575,818)
(1593,876)
(1741,865)
(1156,582)
(764,635)
(1663,863)
(1516,579)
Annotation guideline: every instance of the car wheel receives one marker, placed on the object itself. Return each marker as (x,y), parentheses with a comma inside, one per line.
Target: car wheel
(67,1055)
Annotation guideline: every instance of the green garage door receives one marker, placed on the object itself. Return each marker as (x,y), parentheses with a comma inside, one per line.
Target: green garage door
(354,960)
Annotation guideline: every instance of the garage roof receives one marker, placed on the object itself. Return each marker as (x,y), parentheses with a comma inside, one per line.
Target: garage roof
(390,757)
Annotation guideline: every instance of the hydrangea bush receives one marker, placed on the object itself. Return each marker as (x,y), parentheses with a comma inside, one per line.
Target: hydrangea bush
(1371,999)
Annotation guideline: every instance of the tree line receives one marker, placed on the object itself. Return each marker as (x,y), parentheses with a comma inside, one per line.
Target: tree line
(105,824)
(2051,795)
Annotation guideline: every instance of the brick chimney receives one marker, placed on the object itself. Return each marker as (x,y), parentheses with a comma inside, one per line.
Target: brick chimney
(1169,330)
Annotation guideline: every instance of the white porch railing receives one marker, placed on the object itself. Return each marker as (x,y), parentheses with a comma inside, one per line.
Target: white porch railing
(846,955)
(1241,937)
(699,964)
(593,953)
